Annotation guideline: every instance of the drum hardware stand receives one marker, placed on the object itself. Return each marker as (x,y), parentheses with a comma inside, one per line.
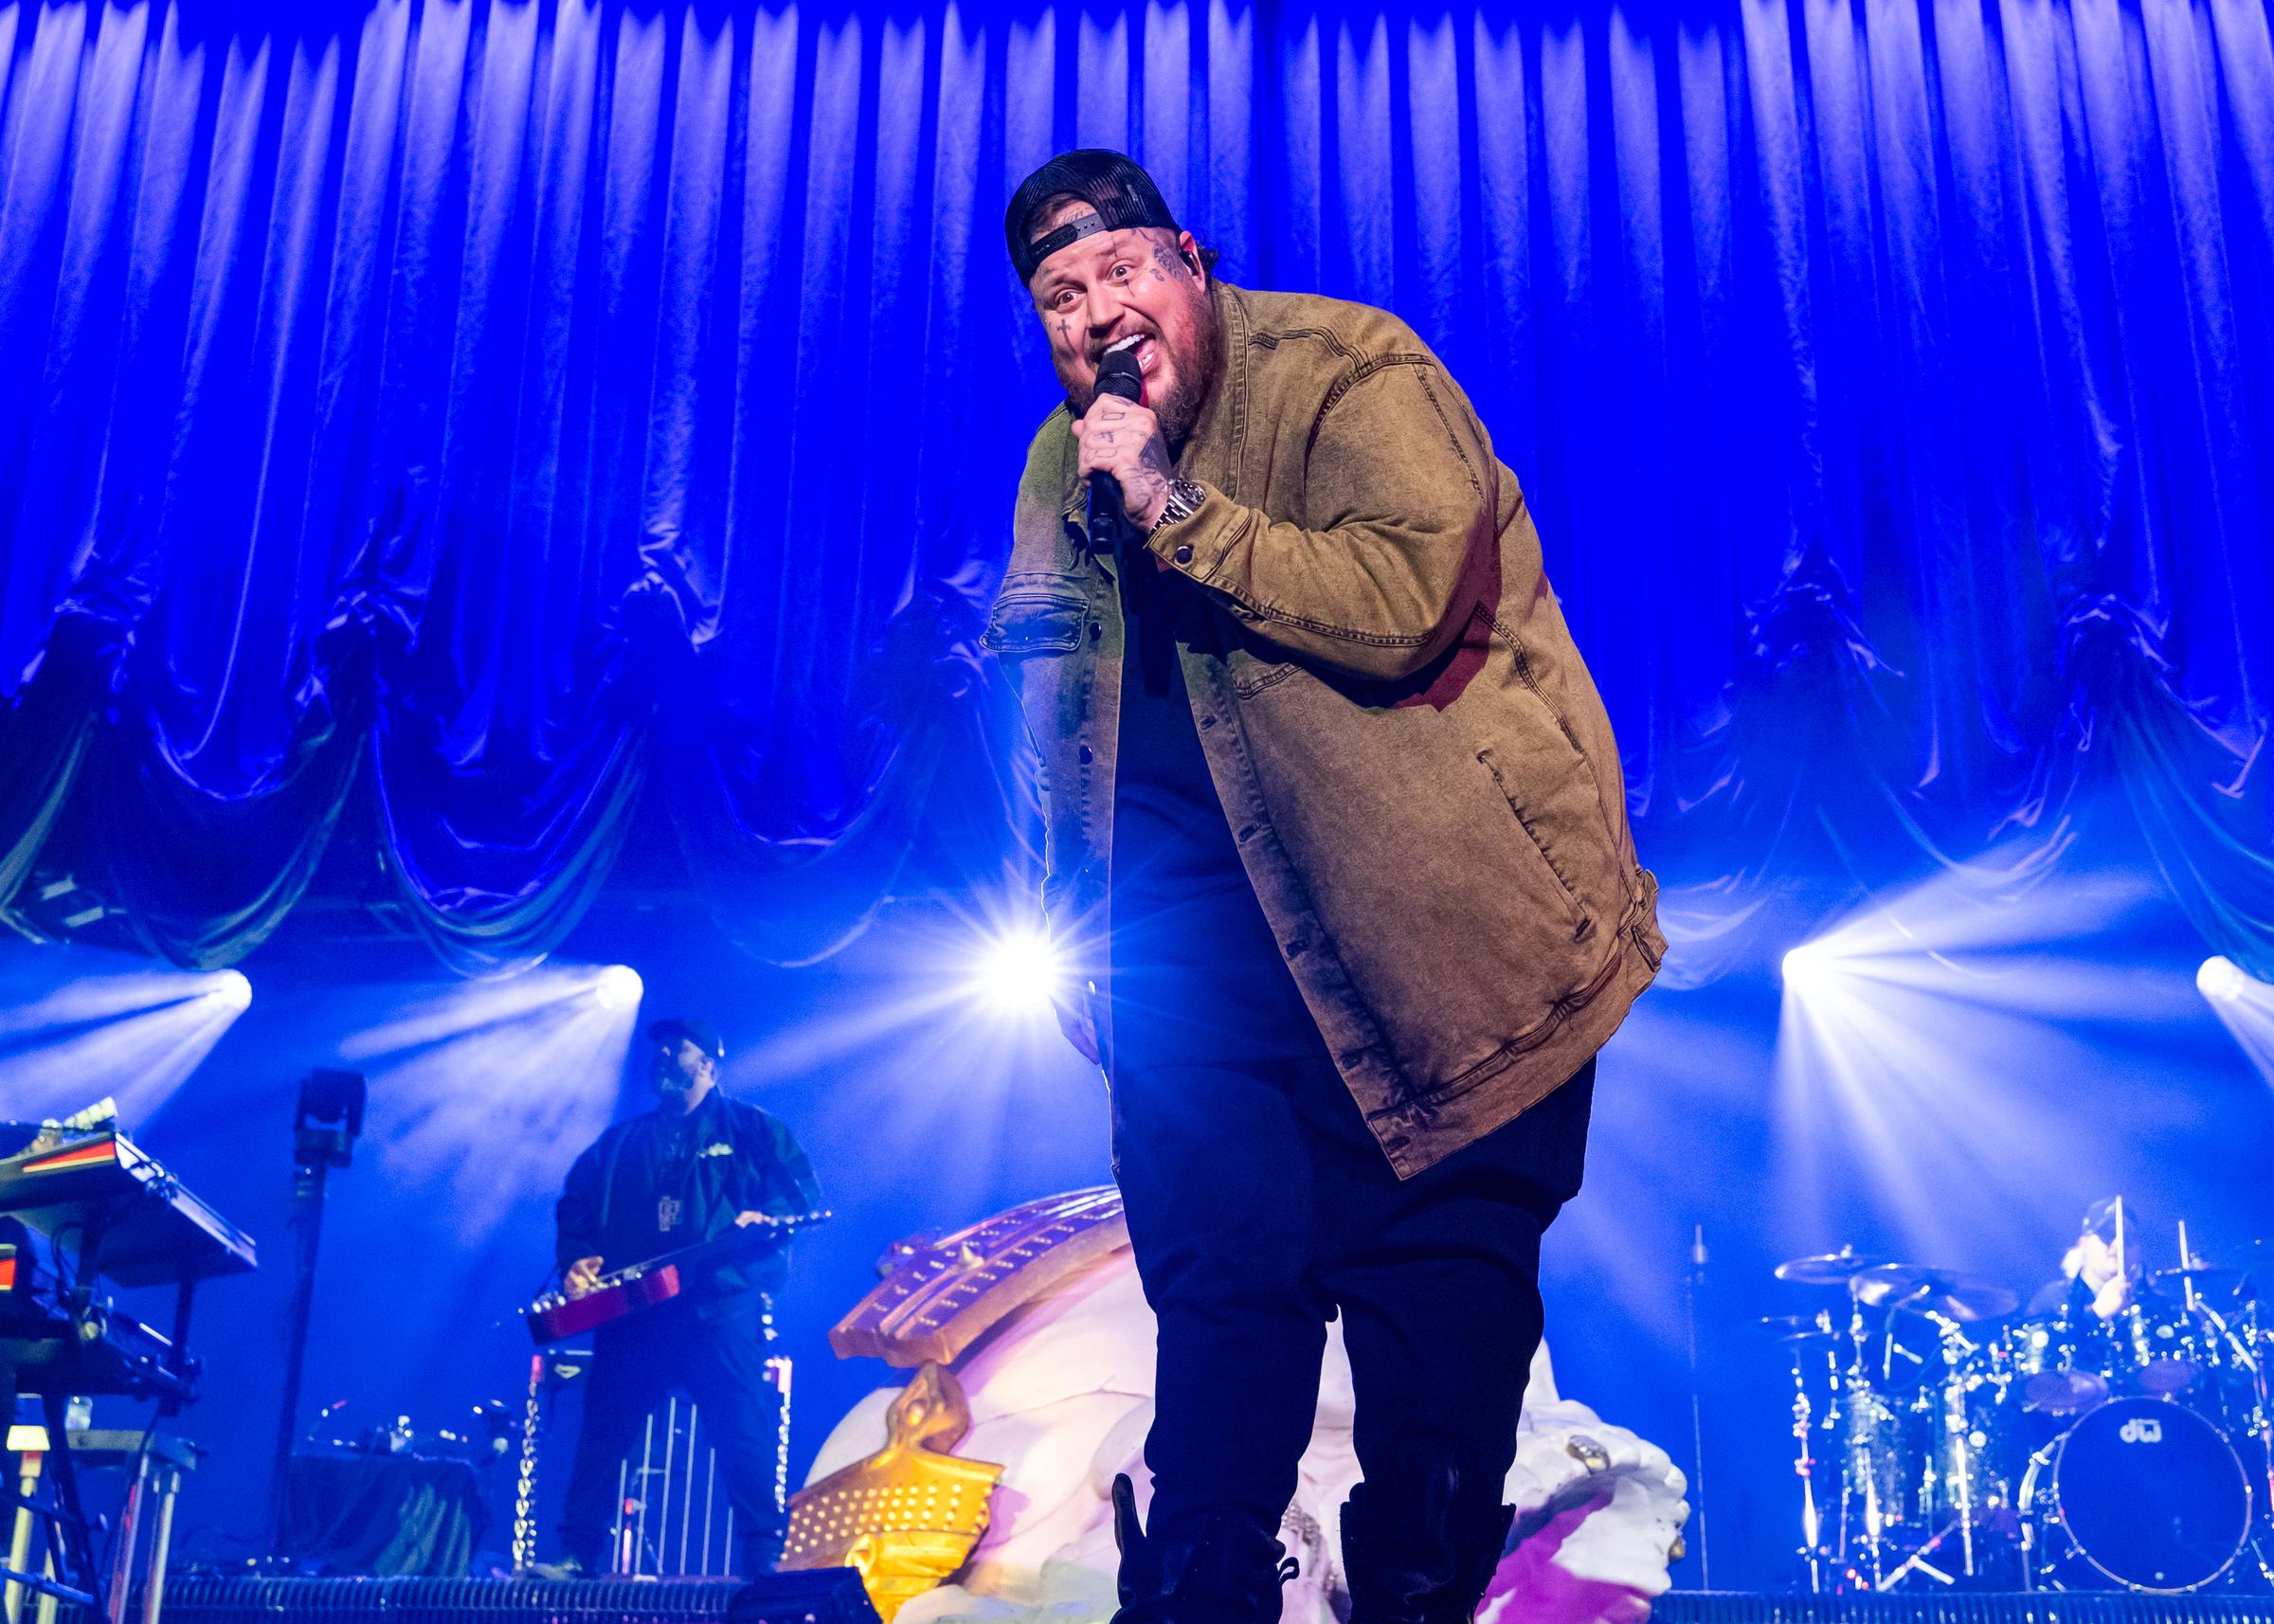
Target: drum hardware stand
(2258,1556)
(2025,1501)
(1696,1412)
(1917,1562)
(1833,1413)
(1875,1514)
(1957,1349)
(1874,1530)
(1804,1466)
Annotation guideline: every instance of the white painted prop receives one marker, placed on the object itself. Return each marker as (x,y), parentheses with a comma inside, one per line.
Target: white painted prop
(1061,1393)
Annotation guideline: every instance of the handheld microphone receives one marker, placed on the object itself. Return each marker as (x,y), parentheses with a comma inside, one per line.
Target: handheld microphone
(1117,375)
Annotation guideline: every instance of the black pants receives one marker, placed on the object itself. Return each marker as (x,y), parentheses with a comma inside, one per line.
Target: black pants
(1259,1206)
(719,1363)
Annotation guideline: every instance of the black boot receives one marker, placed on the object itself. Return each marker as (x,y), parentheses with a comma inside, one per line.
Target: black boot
(1479,1542)
(1421,1552)
(1221,1568)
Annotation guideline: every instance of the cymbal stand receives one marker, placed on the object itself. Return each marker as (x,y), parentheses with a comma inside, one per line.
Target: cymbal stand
(1956,1471)
(2262,1419)
(1804,1466)
(1917,1562)
(1957,1348)
(1874,1515)
(2252,1343)
(1698,1260)
(1835,1415)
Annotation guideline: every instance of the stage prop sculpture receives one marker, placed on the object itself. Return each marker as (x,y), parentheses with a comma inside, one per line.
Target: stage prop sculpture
(905,1517)
(1036,1347)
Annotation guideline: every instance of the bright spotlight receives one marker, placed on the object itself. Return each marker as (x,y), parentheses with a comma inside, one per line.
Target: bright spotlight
(2222,979)
(231,991)
(2244,1007)
(1018,971)
(1803,963)
(617,987)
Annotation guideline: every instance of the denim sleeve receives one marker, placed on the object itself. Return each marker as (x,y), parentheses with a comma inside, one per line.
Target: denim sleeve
(1399,504)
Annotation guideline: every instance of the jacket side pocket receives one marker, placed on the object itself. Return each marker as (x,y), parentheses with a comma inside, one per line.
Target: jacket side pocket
(1542,838)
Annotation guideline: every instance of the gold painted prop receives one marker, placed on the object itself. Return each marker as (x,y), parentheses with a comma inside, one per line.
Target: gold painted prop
(939,1296)
(908,1516)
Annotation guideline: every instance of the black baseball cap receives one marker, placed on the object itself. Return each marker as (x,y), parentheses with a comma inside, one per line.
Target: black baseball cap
(704,1035)
(1111,182)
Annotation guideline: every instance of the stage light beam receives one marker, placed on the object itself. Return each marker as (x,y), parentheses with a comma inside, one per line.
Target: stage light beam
(482,1093)
(1017,973)
(1923,1044)
(619,986)
(2244,1007)
(76,1026)
(2221,979)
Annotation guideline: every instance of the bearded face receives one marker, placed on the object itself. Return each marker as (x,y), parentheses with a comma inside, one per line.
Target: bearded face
(1141,283)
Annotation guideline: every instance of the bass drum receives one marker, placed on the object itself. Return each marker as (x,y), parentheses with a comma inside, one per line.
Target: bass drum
(2138,1494)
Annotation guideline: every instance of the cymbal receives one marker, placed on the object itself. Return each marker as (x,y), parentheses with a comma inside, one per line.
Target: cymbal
(2062,1392)
(2206,1280)
(1913,1287)
(1825,1268)
(1792,1328)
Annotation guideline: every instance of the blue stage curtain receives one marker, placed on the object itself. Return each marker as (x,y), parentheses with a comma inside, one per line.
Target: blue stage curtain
(510,410)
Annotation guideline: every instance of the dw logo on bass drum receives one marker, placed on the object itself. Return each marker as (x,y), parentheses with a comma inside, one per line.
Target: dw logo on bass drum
(2142,1429)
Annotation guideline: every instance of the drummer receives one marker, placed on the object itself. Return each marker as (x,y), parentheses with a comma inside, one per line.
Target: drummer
(2102,1267)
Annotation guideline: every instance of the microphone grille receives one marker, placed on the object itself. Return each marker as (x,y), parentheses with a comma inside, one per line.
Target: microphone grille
(1117,374)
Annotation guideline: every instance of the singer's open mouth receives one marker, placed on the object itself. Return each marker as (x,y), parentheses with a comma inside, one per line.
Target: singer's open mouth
(1141,347)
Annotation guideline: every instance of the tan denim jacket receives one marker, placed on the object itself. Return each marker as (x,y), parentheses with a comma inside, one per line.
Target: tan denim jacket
(1416,766)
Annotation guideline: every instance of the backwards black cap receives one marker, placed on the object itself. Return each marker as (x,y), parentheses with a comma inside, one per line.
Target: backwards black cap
(1121,193)
(700,1032)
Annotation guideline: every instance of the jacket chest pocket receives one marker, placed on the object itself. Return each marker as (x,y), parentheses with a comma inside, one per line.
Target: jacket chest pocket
(1036,614)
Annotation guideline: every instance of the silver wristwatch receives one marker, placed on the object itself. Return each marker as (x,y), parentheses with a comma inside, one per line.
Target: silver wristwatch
(1184,499)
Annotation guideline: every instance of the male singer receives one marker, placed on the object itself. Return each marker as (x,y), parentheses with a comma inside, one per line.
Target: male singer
(1339,844)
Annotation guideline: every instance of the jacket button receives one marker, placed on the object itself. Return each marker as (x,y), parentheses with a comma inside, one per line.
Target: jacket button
(1294,948)
(1097,630)
(1246,832)
(1086,755)
(1207,721)
(1184,554)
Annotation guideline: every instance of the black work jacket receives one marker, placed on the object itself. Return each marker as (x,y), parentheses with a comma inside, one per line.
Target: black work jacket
(668,1180)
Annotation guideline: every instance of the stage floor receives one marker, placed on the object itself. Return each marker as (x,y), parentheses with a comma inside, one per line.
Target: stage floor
(1956,1607)
(834,1598)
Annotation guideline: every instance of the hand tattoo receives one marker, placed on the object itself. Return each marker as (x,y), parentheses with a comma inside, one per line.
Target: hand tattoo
(1145,487)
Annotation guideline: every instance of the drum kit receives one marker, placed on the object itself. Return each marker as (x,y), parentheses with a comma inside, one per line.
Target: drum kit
(2123,1441)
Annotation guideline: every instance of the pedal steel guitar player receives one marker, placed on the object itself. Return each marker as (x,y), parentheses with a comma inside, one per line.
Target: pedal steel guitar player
(694,1168)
